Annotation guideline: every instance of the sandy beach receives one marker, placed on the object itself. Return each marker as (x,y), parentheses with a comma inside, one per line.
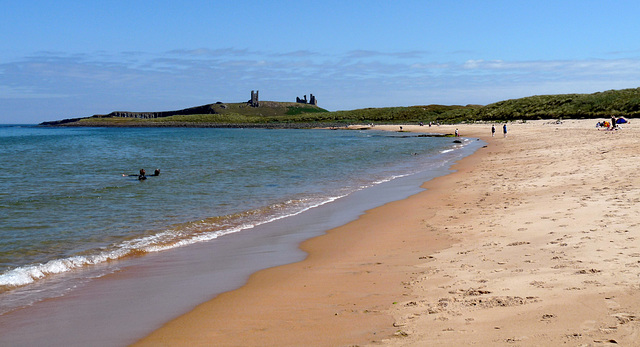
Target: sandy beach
(533,241)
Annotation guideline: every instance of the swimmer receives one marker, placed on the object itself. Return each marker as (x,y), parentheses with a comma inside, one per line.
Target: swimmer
(142,175)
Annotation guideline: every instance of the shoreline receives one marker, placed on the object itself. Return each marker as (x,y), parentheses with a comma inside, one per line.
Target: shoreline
(182,278)
(523,244)
(371,283)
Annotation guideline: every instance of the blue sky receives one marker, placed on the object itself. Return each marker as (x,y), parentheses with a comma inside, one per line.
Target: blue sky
(62,59)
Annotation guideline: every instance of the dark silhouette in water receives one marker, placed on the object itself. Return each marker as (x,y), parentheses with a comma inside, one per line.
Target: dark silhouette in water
(143,174)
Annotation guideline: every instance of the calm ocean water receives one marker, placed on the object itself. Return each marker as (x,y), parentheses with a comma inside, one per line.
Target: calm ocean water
(68,206)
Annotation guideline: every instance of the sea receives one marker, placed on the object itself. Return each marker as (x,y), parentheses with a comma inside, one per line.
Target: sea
(92,255)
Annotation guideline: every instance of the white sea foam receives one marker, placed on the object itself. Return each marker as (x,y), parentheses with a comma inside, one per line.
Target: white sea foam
(159,242)
(162,241)
(29,274)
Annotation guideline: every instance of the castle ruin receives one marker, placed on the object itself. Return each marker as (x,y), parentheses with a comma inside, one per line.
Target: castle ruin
(254,102)
(312,100)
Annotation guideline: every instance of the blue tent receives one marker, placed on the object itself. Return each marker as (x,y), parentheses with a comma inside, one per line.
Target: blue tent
(621,121)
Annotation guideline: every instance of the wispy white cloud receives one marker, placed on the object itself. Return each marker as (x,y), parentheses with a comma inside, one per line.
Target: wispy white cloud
(561,66)
(299,54)
(18,92)
(355,54)
(218,52)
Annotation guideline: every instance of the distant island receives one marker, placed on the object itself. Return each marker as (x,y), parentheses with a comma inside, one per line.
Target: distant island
(303,113)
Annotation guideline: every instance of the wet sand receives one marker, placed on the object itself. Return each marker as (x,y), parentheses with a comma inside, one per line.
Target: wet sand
(535,240)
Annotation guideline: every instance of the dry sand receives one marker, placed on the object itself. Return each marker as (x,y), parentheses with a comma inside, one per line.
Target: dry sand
(534,241)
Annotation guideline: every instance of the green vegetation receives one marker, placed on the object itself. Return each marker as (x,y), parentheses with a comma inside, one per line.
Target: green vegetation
(412,114)
(619,103)
(295,110)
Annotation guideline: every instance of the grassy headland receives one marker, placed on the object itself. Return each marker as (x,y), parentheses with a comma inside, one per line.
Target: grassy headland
(619,103)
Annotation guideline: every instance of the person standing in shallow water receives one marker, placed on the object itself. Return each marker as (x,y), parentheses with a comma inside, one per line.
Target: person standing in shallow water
(504,129)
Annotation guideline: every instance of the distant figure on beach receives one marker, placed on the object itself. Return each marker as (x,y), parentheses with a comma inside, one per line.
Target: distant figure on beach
(457,133)
(504,129)
(493,130)
(400,128)
(613,122)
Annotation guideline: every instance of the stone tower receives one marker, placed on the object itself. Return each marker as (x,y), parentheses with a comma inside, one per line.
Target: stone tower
(254,102)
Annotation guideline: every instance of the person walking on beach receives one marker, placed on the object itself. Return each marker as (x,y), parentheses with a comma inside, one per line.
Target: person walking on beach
(504,129)
(493,130)
(457,133)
